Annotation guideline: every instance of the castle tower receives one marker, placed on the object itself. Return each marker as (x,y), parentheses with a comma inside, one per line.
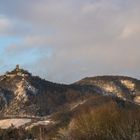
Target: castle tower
(17,67)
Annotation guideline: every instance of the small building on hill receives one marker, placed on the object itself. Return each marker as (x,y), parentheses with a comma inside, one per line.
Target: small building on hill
(17,72)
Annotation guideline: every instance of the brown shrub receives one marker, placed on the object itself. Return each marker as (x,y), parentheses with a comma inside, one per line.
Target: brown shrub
(108,122)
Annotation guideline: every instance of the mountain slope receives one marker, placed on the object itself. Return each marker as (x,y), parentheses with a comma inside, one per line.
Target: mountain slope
(22,94)
(126,88)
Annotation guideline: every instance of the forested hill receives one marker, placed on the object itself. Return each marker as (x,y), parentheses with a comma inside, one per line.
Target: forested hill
(22,94)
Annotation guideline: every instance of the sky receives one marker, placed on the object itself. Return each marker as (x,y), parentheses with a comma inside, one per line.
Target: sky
(67,40)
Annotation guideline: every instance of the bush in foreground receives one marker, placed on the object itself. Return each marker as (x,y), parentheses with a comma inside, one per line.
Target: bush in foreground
(108,122)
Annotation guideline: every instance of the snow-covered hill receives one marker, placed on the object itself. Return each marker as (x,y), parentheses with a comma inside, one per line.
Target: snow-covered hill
(22,94)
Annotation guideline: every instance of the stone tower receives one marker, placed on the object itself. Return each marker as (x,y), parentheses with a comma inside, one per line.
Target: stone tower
(17,67)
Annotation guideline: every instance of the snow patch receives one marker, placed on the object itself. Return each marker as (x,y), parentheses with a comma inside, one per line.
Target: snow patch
(129,84)
(137,100)
(44,122)
(6,123)
(30,87)
(22,88)
(20,91)
(109,88)
(77,104)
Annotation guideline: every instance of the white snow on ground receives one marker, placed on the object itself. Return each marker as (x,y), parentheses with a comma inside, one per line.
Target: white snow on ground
(30,87)
(20,91)
(45,122)
(6,123)
(22,86)
(137,100)
(77,104)
(129,84)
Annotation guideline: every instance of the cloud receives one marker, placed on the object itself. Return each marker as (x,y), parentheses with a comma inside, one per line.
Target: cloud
(5,25)
(74,38)
(130,30)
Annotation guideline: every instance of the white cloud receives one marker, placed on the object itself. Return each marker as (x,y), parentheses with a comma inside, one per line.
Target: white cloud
(5,24)
(130,30)
(86,37)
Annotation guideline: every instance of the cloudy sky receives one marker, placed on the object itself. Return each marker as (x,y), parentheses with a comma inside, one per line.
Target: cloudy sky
(66,40)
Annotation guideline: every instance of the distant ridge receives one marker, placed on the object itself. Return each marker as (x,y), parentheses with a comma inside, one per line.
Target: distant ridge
(22,94)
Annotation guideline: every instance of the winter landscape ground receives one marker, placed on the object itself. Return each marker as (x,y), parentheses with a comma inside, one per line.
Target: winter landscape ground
(69,70)
(33,108)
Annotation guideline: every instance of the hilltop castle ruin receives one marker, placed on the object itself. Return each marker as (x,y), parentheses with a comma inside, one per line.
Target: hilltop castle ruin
(17,72)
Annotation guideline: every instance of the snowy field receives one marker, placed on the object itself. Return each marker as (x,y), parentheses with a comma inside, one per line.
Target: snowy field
(4,124)
(45,122)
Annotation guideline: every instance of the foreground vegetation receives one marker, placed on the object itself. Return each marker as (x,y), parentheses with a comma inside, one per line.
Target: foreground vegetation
(105,122)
